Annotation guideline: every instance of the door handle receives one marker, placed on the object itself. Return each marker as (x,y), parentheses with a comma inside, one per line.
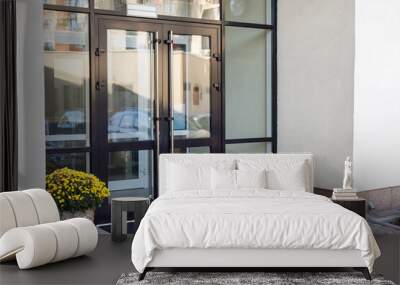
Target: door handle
(170,117)
(99,51)
(100,85)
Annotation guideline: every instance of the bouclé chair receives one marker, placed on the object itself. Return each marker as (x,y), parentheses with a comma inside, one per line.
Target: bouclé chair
(31,231)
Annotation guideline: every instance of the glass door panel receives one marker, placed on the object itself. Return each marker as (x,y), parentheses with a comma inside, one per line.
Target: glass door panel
(67,85)
(192,97)
(130,82)
(130,173)
(191,85)
(127,104)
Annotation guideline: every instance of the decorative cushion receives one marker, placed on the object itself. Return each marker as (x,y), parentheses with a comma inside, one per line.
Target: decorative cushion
(183,178)
(293,178)
(223,179)
(251,178)
(281,174)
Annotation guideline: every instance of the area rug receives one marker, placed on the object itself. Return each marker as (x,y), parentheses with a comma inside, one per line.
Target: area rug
(269,278)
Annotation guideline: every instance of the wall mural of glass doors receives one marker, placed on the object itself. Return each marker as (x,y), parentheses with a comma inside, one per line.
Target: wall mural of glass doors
(156,91)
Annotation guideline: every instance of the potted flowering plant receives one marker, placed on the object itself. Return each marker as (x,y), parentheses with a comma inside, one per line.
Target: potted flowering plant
(76,193)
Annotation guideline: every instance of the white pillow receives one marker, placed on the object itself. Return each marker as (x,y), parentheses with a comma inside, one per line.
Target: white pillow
(223,179)
(292,178)
(282,174)
(251,178)
(183,177)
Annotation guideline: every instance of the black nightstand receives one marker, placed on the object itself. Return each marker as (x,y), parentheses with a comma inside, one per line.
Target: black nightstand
(358,206)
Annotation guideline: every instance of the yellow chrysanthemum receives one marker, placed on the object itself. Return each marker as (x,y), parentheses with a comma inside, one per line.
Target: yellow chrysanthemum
(75,190)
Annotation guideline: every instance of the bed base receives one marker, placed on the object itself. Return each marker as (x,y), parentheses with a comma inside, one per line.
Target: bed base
(242,259)
(363,270)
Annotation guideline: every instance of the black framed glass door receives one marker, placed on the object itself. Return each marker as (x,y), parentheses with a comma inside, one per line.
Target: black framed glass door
(125,108)
(191,93)
(156,91)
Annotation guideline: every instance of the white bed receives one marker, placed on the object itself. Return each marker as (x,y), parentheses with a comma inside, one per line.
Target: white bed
(248,227)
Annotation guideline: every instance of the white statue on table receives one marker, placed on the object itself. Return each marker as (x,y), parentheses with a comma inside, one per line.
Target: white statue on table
(348,174)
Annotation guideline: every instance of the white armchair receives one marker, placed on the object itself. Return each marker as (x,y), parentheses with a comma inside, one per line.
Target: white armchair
(31,230)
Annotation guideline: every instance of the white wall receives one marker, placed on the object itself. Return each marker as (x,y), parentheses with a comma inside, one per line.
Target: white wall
(377,94)
(30,94)
(315,83)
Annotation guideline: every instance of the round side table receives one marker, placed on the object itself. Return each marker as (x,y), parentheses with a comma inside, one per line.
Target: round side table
(119,211)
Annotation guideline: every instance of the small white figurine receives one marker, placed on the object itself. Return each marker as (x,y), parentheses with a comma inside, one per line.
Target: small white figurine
(348,174)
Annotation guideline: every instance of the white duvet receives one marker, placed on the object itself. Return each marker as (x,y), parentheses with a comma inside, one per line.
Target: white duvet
(250,219)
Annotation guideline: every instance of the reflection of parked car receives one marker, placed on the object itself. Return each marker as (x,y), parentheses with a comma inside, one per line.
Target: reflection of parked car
(70,122)
(200,122)
(198,126)
(128,121)
(67,130)
(129,124)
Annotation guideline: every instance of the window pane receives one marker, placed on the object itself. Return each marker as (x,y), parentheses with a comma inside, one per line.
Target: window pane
(66,75)
(247,83)
(249,148)
(77,161)
(248,11)
(75,3)
(130,72)
(202,9)
(191,86)
(131,173)
(197,149)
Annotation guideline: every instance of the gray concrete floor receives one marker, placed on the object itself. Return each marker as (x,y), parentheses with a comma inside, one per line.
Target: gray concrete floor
(110,259)
(388,264)
(103,266)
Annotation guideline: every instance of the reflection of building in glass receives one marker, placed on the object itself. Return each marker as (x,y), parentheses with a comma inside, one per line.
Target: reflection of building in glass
(66,70)
(130,62)
(76,3)
(205,9)
(130,83)
(191,85)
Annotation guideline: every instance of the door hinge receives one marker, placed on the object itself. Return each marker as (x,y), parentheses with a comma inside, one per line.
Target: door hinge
(156,41)
(99,51)
(217,57)
(216,86)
